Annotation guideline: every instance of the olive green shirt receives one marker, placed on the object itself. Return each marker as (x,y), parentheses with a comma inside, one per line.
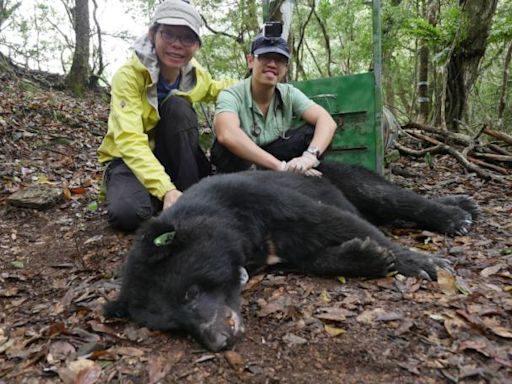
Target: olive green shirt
(288,103)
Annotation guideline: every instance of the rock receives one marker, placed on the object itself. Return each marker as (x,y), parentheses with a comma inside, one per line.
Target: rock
(38,197)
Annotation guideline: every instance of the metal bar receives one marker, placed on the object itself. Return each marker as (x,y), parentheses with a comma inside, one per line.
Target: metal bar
(265,10)
(377,69)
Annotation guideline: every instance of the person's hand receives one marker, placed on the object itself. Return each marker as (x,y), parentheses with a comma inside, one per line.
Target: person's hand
(303,163)
(313,173)
(171,197)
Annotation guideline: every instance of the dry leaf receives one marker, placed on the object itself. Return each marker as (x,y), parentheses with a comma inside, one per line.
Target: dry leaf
(333,331)
(128,351)
(489,271)
(234,359)
(502,332)
(81,371)
(334,314)
(454,326)
(59,350)
(446,282)
(158,369)
(369,316)
(326,298)
(270,308)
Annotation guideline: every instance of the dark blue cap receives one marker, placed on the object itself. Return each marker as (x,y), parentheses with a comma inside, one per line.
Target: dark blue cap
(262,45)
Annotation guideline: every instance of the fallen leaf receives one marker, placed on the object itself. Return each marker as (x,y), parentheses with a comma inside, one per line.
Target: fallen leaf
(102,355)
(333,331)
(158,369)
(58,351)
(502,332)
(128,351)
(66,192)
(446,282)
(77,190)
(234,359)
(270,308)
(478,345)
(290,338)
(325,297)
(404,327)
(253,282)
(462,286)
(489,271)
(369,316)
(92,206)
(18,264)
(454,326)
(9,292)
(389,316)
(204,358)
(334,314)
(81,371)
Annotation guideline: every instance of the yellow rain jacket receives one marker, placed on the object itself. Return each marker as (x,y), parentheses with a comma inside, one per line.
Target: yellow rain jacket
(134,113)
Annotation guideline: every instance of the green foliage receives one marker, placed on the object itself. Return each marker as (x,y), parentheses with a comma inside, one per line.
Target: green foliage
(44,35)
(422,30)
(502,27)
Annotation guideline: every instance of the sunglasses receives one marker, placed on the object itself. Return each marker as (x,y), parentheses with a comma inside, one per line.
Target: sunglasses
(277,58)
(187,39)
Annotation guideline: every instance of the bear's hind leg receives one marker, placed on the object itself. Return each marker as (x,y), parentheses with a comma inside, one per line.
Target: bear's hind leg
(464,202)
(355,257)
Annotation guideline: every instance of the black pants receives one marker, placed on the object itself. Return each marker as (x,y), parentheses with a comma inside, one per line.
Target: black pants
(176,147)
(294,143)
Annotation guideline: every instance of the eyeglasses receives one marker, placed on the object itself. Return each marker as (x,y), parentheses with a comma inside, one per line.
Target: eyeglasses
(187,40)
(276,58)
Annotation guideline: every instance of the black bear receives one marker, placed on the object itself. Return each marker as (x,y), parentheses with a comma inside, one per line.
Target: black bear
(184,271)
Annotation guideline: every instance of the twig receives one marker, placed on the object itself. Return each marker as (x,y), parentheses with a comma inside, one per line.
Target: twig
(417,153)
(238,39)
(445,148)
(481,163)
(497,148)
(492,156)
(499,135)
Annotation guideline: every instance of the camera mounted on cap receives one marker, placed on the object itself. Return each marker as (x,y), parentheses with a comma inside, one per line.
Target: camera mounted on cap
(272,30)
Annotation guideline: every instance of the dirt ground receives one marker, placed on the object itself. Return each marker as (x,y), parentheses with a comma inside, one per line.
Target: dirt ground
(59,265)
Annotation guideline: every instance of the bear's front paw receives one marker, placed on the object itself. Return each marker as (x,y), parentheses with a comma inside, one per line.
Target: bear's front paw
(456,223)
(410,263)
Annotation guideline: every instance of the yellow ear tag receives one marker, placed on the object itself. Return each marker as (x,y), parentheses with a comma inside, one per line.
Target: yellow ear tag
(164,239)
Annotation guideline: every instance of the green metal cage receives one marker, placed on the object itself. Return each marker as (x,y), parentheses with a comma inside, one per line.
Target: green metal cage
(355,102)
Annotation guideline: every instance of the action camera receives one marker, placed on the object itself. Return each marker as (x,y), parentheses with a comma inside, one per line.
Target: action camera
(272,29)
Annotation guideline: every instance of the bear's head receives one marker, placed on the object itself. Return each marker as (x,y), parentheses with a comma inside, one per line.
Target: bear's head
(185,277)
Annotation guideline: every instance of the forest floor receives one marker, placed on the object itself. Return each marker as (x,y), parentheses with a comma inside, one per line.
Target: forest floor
(59,265)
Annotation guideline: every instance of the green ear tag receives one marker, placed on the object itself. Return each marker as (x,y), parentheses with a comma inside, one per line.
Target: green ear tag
(164,239)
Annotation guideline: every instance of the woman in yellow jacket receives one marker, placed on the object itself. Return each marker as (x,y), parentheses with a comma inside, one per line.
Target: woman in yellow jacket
(152,143)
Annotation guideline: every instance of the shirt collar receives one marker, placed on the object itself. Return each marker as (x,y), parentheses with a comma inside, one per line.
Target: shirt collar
(250,102)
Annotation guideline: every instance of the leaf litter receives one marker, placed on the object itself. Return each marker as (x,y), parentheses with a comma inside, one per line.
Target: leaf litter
(60,265)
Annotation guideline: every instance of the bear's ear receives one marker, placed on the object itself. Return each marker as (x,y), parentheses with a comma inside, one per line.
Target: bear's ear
(156,241)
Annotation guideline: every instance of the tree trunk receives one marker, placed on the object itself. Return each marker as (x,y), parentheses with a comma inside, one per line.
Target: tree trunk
(424,100)
(476,17)
(504,86)
(78,77)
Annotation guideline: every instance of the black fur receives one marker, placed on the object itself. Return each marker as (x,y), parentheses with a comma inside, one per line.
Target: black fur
(318,226)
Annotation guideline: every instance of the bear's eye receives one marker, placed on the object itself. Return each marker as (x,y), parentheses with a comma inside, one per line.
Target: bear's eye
(191,293)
